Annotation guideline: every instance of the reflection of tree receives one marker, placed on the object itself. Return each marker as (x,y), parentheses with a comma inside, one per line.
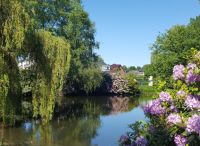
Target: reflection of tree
(75,131)
(80,124)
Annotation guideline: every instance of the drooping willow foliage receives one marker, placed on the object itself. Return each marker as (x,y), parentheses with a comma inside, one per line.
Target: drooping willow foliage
(50,56)
(52,59)
(14,23)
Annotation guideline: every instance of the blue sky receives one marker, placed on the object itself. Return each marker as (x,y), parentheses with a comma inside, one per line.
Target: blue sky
(127,28)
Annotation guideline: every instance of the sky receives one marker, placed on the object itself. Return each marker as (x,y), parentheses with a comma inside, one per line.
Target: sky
(126,29)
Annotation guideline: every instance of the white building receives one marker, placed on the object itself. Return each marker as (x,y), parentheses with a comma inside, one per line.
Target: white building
(25,64)
(151,81)
(105,68)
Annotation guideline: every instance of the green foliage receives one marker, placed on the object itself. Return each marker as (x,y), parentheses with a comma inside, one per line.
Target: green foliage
(131,68)
(148,70)
(132,84)
(67,18)
(52,59)
(48,33)
(4,84)
(91,79)
(14,22)
(174,47)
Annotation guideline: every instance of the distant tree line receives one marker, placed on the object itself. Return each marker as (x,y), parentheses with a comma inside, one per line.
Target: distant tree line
(132,68)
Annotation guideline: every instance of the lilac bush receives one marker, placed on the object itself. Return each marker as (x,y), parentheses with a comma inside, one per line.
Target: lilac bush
(174,117)
(180,140)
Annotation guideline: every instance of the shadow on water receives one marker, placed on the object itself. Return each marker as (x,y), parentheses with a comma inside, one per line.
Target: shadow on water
(80,121)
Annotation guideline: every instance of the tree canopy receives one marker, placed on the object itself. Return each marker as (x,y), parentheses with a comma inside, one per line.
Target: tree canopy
(174,47)
(22,36)
(58,38)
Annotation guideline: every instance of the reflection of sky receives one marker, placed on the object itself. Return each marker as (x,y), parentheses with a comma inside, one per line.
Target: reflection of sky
(113,126)
(28,126)
(37,135)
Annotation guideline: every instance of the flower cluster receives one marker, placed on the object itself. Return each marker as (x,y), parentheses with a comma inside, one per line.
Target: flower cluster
(180,140)
(193,124)
(191,66)
(154,108)
(141,141)
(178,72)
(192,77)
(165,97)
(124,139)
(193,102)
(174,119)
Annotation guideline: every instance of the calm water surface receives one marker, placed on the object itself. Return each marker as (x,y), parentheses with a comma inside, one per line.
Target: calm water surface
(85,122)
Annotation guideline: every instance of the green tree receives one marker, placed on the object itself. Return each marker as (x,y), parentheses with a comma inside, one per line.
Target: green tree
(148,70)
(21,36)
(174,47)
(52,59)
(14,22)
(68,19)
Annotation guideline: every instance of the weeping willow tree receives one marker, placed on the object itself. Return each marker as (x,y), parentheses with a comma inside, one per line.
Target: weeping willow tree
(50,56)
(52,59)
(14,23)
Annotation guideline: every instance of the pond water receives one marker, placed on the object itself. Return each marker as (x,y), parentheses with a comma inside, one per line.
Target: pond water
(94,121)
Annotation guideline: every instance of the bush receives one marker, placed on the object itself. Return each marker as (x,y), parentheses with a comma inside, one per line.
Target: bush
(174,117)
(132,84)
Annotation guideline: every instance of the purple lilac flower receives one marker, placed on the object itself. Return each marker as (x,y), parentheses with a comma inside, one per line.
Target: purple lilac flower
(181,93)
(151,129)
(173,108)
(123,139)
(141,141)
(165,97)
(191,66)
(193,101)
(178,72)
(192,78)
(180,140)
(193,124)
(174,119)
(154,108)
(133,144)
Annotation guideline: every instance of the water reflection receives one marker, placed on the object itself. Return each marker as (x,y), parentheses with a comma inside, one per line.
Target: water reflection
(80,122)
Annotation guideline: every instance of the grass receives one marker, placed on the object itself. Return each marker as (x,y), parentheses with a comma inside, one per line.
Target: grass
(147,90)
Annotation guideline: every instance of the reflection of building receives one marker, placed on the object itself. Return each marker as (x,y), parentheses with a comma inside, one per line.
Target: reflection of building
(118,104)
(25,64)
